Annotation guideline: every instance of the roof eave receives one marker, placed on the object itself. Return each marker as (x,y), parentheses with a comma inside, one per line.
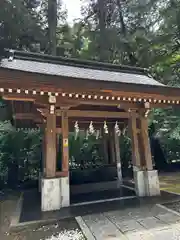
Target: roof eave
(114,86)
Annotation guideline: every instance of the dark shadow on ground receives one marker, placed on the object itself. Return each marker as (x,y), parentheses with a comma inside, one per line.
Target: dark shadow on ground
(102,195)
(31,210)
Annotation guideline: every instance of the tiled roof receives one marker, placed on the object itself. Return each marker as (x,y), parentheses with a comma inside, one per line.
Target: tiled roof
(72,68)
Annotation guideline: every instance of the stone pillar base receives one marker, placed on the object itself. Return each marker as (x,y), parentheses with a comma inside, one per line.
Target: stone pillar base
(146,183)
(65,192)
(54,193)
(140,186)
(152,183)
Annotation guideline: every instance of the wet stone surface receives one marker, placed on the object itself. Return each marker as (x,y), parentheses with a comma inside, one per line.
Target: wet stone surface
(173,206)
(143,223)
(126,222)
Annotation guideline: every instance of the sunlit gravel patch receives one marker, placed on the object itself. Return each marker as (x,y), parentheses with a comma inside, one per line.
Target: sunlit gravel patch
(67,235)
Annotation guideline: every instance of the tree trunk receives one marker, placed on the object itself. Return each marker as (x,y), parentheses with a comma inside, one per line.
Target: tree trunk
(52,25)
(128,49)
(102,28)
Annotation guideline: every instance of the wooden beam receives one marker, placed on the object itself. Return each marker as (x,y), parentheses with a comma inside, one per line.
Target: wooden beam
(72,102)
(37,99)
(27,116)
(62,174)
(24,116)
(141,95)
(98,102)
(95,114)
(18,97)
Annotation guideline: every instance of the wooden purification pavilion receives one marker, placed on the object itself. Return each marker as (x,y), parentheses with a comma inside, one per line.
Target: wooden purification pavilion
(53,93)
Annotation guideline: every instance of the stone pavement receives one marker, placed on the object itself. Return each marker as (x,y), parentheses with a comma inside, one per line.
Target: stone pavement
(142,223)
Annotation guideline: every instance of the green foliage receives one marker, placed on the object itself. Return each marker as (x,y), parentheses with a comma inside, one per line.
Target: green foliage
(85,153)
(167,129)
(20,155)
(19,24)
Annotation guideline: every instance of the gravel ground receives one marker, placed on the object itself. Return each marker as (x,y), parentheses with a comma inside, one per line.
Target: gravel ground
(63,230)
(170,181)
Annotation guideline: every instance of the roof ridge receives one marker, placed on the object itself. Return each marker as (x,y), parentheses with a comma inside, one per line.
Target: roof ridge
(45,58)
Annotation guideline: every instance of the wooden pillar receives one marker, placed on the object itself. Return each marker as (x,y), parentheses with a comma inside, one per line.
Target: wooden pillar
(118,156)
(151,180)
(145,143)
(65,143)
(105,148)
(42,172)
(138,173)
(141,151)
(112,146)
(44,152)
(117,148)
(134,139)
(50,140)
